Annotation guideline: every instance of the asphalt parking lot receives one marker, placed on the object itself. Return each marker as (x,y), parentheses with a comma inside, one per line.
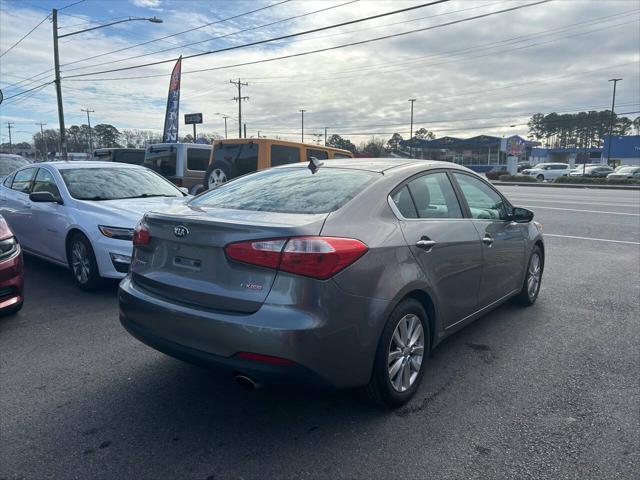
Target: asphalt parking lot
(552,391)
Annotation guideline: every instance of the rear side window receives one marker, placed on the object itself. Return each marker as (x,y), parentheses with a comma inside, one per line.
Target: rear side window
(22,180)
(289,190)
(244,156)
(319,154)
(162,161)
(132,158)
(434,196)
(281,155)
(198,159)
(404,202)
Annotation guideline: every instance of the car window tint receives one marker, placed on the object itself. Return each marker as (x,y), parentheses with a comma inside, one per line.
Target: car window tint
(244,156)
(483,201)
(22,180)
(45,182)
(281,155)
(341,155)
(198,159)
(289,190)
(319,154)
(402,200)
(162,160)
(7,181)
(434,196)
(133,158)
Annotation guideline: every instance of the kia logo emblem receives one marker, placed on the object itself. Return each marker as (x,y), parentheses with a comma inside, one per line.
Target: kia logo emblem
(180,231)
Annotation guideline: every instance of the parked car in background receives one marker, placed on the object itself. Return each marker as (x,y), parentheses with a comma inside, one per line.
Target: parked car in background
(11,271)
(523,166)
(600,171)
(625,173)
(548,171)
(183,164)
(134,156)
(235,157)
(82,214)
(72,157)
(10,162)
(579,168)
(346,275)
(620,167)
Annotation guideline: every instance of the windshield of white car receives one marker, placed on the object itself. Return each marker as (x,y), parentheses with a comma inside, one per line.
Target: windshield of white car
(114,183)
(9,163)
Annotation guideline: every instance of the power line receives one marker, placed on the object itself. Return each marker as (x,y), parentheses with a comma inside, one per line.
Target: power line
(71,5)
(27,91)
(361,42)
(25,36)
(282,37)
(210,38)
(179,33)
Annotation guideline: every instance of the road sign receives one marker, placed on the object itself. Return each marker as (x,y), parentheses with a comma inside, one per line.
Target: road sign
(192,118)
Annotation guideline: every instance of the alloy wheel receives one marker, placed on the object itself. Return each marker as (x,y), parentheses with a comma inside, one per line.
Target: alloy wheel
(80,262)
(534,275)
(217,177)
(406,351)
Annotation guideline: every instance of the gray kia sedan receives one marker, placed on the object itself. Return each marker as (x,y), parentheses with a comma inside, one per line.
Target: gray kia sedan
(343,275)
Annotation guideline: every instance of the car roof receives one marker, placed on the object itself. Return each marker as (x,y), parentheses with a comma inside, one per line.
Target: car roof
(63,165)
(379,165)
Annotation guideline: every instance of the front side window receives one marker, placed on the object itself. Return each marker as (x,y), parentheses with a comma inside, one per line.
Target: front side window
(22,180)
(483,201)
(282,155)
(434,196)
(45,182)
(116,183)
(198,159)
(289,190)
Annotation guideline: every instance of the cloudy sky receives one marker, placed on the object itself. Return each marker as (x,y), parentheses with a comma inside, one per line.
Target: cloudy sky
(473,76)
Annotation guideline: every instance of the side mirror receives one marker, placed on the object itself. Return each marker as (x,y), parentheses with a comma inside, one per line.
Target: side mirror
(521,215)
(44,197)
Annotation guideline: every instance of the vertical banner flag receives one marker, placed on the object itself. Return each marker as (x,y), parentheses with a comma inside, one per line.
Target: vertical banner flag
(170,134)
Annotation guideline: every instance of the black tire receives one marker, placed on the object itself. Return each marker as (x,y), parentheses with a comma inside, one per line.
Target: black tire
(527,297)
(86,274)
(380,389)
(540,177)
(223,167)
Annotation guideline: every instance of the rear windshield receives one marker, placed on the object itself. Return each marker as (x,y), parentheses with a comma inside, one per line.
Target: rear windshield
(116,183)
(9,164)
(289,190)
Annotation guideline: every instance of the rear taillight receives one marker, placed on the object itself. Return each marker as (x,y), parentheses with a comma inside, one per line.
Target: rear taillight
(141,235)
(317,257)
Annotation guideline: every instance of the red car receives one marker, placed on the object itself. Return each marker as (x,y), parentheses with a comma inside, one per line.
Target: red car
(11,271)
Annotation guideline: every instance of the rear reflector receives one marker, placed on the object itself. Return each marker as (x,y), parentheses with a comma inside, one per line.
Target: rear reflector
(316,257)
(141,235)
(265,358)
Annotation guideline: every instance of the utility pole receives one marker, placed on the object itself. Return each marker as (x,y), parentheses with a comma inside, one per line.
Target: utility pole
(411,130)
(325,136)
(56,63)
(245,130)
(89,123)
(225,126)
(302,112)
(239,99)
(613,106)
(10,126)
(44,142)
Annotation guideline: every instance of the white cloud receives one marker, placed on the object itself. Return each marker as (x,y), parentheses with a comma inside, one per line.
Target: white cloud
(147,3)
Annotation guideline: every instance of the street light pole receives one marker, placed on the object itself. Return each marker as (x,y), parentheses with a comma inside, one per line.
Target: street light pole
(411,130)
(302,112)
(613,106)
(56,63)
(89,124)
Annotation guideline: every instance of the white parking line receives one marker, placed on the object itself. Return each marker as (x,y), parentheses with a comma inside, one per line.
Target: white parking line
(600,204)
(584,211)
(593,239)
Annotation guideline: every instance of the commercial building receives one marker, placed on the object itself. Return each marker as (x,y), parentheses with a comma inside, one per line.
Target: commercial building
(624,150)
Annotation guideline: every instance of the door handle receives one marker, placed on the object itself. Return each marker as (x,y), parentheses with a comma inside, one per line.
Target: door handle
(425,245)
(487,240)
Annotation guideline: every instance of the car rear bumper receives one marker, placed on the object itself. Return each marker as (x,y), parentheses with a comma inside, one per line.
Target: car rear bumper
(11,282)
(330,347)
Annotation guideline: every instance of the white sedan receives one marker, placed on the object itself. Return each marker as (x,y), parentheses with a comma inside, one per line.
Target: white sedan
(548,171)
(82,214)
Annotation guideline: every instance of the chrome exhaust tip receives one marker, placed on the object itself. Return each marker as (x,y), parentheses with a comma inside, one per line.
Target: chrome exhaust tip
(247,382)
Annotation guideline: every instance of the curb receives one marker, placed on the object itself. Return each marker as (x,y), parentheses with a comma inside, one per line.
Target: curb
(567,185)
